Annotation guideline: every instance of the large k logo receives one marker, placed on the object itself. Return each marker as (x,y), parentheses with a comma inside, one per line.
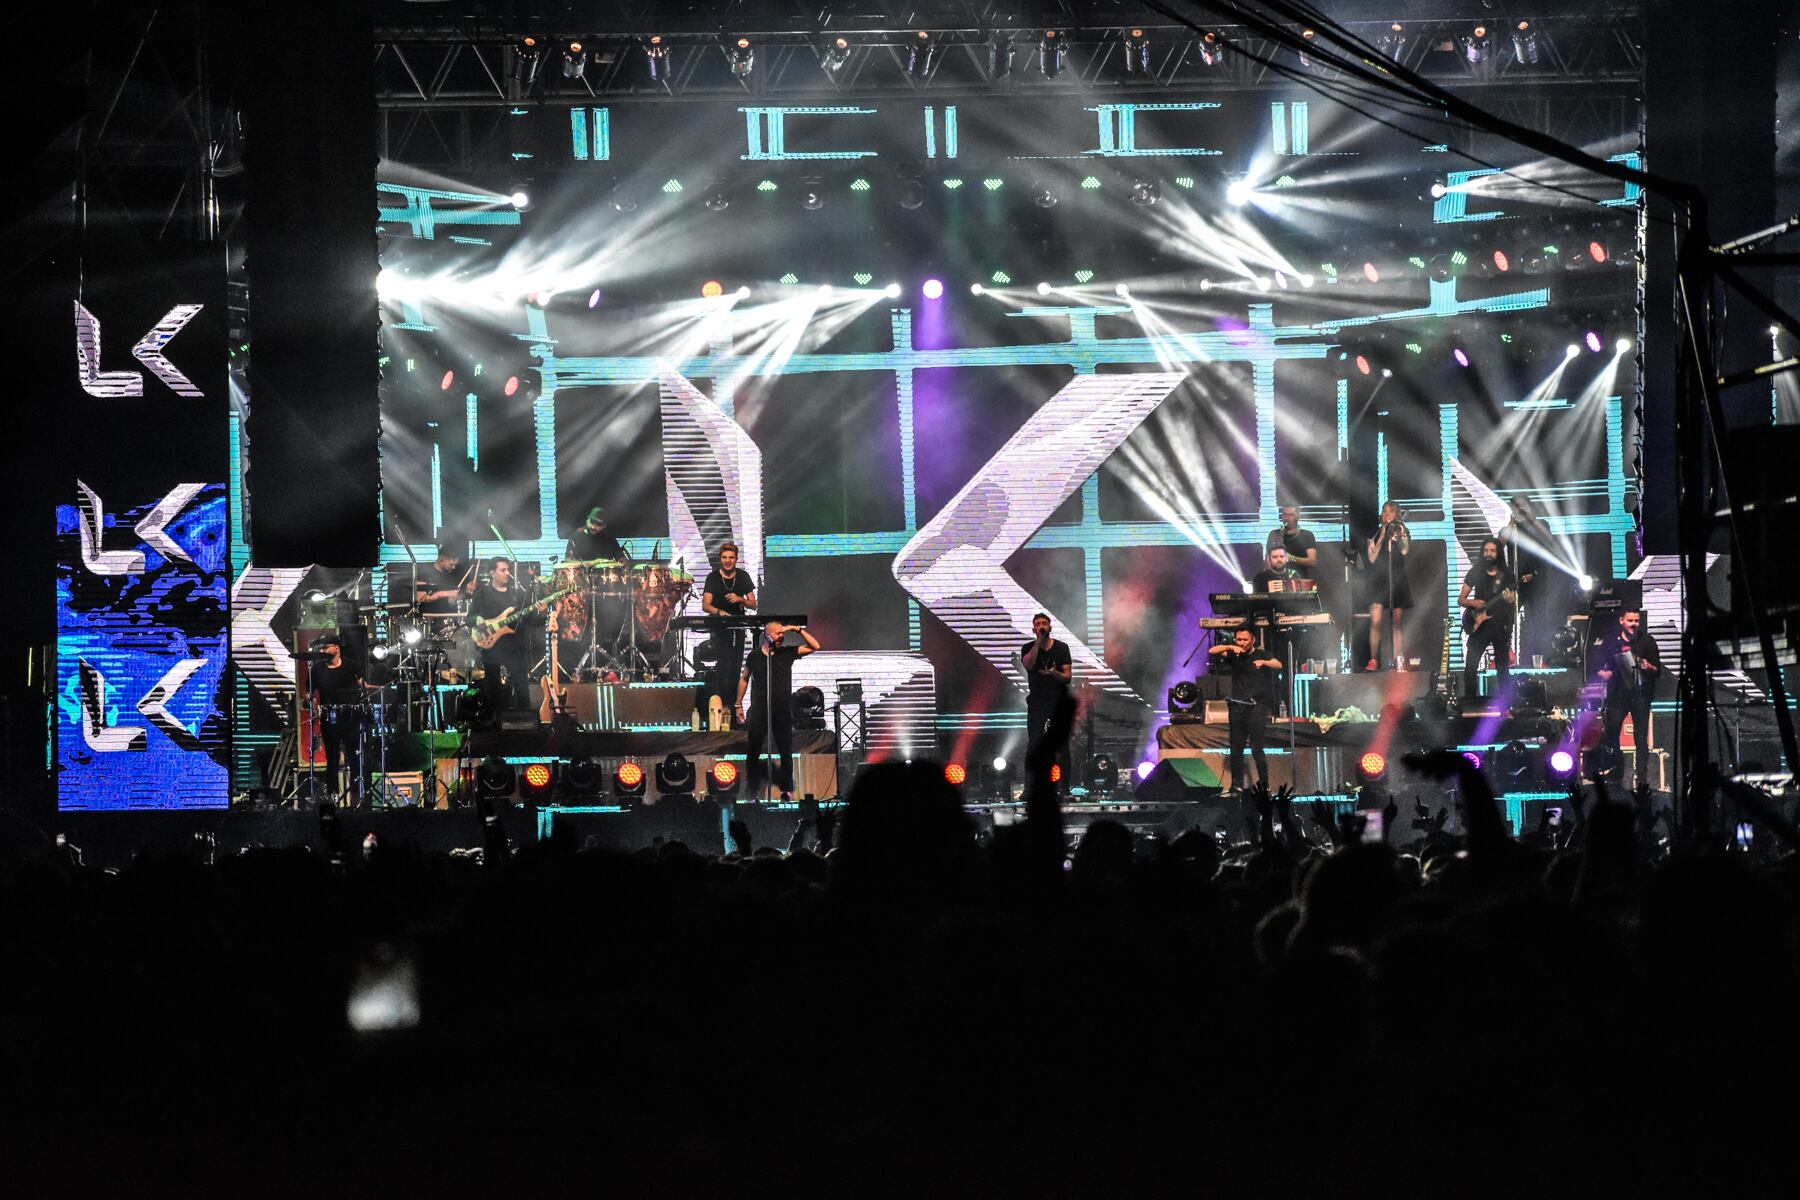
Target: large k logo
(956,564)
(148,350)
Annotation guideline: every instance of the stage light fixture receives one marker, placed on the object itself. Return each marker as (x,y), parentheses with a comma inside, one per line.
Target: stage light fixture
(1371,272)
(1622,345)
(528,57)
(807,706)
(412,635)
(1183,699)
(378,653)
(1371,767)
(1145,769)
(1307,38)
(1055,772)
(519,200)
(1573,351)
(1501,262)
(909,193)
(495,778)
(623,199)
(812,195)
(1597,251)
(1000,55)
(1262,283)
(722,780)
(920,55)
(1561,763)
(891,291)
(1210,48)
(712,289)
(656,57)
(1102,775)
(1585,582)
(1475,45)
(1145,192)
(581,779)
(1593,341)
(1122,291)
(1473,758)
(512,383)
(743,293)
(1461,356)
(955,774)
(999,763)
(675,776)
(743,57)
(824,292)
(1439,191)
(1043,289)
(1525,43)
(1306,280)
(933,289)
(717,200)
(975,289)
(1050,54)
(1137,53)
(536,781)
(473,709)
(629,781)
(1237,193)
(1364,366)
(1042,194)
(574,60)
(837,53)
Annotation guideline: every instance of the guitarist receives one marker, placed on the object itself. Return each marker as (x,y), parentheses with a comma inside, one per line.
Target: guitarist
(1489,600)
(508,661)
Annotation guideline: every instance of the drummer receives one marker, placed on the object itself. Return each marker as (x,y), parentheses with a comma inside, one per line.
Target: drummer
(592,541)
(446,585)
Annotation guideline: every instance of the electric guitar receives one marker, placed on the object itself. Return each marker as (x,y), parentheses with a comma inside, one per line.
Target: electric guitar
(1500,606)
(553,692)
(488,630)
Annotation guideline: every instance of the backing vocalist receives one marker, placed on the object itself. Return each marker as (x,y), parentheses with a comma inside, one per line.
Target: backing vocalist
(1390,590)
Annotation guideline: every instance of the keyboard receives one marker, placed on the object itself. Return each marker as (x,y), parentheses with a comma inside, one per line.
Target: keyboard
(714,624)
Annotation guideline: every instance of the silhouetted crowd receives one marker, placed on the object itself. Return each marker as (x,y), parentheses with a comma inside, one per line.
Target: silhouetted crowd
(893,1004)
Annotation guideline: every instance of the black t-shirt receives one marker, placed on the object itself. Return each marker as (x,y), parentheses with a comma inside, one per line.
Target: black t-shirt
(1262,579)
(717,585)
(1044,685)
(584,545)
(489,604)
(1485,587)
(1248,682)
(1299,542)
(335,685)
(770,675)
(433,578)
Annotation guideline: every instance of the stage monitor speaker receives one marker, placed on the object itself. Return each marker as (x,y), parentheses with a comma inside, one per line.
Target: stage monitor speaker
(1179,779)
(518,718)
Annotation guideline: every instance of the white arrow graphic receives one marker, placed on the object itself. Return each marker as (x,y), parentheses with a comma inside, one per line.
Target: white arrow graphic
(100,737)
(166,510)
(94,381)
(256,597)
(149,349)
(956,564)
(154,705)
(93,525)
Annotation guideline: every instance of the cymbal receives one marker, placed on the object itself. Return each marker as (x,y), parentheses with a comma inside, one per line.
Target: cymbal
(590,562)
(390,605)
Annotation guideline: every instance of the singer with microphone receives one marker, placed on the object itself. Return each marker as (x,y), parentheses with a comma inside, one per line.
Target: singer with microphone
(767,681)
(1629,664)
(1048,669)
(1390,589)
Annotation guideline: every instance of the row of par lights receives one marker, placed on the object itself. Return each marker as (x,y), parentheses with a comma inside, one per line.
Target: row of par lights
(994,779)
(581,779)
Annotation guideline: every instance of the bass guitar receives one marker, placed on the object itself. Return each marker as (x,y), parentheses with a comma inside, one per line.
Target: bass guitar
(488,630)
(1500,606)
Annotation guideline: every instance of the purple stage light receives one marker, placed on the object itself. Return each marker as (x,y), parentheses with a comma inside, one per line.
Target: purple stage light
(1562,763)
(1144,768)
(594,300)
(933,289)
(1593,341)
(1462,359)
(1474,758)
